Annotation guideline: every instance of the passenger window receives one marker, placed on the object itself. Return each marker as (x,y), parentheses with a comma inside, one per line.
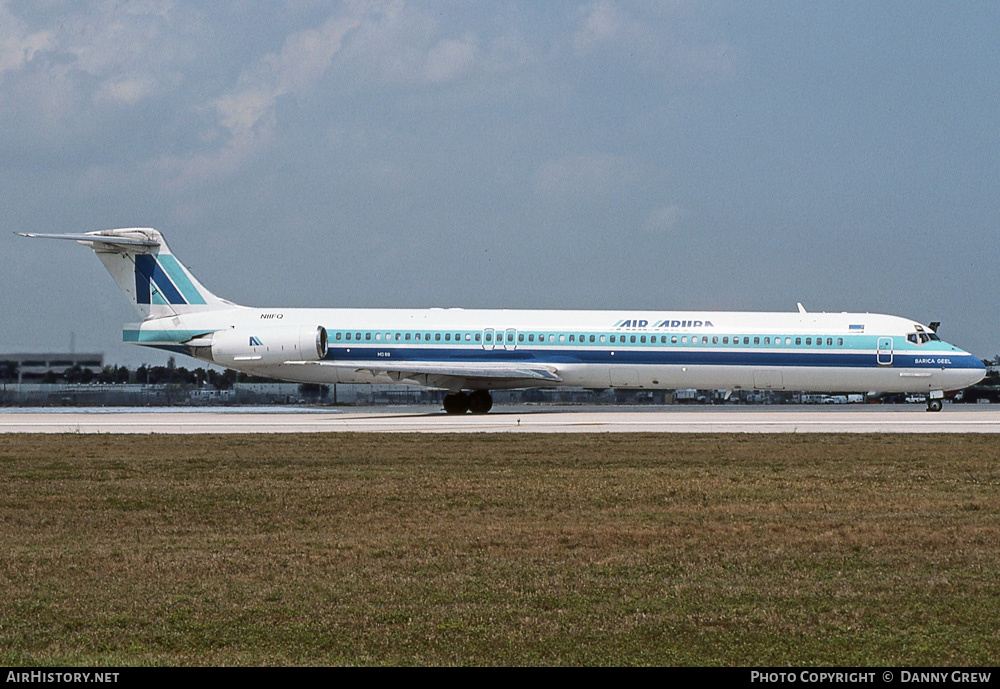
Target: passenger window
(746,340)
(572,338)
(756,340)
(632,339)
(447,337)
(338,336)
(368,336)
(673,339)
(840,342)
(798,340)
(437,336)
(520,338)
(809,340)
(357,337)
(593,336)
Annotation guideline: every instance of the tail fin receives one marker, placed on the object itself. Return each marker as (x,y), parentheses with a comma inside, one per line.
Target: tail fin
(143,266)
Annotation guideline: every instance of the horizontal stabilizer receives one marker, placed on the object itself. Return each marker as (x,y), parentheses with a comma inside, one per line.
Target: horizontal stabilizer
(136,241)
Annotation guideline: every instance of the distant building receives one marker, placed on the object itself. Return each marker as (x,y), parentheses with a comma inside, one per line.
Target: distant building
(34,367)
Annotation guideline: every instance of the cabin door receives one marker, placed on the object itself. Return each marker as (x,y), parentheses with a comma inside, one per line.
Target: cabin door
(884,352)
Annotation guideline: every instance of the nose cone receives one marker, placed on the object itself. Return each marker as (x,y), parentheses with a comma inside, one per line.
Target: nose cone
(967,369)
(979,370)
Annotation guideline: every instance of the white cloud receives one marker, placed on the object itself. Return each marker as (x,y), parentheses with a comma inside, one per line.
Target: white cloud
(450,59)
(18,44)
(602,23)
(248,111)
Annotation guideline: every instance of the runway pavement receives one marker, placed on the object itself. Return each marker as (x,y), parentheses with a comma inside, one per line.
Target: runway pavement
(868,419)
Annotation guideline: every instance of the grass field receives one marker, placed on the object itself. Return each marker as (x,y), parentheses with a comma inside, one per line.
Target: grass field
(500,550)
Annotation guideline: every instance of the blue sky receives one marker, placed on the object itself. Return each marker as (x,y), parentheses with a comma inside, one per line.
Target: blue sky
(623,155)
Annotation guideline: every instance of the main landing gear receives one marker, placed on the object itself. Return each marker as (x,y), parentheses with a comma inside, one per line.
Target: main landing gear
(478,402)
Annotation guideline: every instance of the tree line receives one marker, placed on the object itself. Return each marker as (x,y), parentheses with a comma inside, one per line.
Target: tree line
(171,374)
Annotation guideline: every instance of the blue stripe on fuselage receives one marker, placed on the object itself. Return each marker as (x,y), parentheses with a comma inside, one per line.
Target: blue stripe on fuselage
(398,356)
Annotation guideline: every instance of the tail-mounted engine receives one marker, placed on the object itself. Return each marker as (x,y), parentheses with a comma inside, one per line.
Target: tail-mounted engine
(269,345)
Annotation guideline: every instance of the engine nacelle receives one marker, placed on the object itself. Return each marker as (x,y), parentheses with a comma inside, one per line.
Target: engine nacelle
(269,345)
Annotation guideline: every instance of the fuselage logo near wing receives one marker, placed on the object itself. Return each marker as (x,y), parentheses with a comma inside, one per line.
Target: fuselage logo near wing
(161,280)
(255,342)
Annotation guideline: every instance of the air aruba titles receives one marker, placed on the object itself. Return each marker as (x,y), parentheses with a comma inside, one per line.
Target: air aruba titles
(666,323)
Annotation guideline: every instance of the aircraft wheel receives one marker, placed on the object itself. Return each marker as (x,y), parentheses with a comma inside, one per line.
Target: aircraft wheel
(933,405)
(480,402)
(457,403)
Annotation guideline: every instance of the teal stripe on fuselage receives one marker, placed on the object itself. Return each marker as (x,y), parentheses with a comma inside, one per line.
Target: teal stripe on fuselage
(164,336)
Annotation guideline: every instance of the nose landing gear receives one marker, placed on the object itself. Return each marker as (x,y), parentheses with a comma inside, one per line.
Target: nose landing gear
(935,400)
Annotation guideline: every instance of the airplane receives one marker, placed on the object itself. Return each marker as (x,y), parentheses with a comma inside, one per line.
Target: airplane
(470,352)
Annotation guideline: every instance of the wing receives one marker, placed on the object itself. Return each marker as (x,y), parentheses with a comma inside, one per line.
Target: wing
(448,374)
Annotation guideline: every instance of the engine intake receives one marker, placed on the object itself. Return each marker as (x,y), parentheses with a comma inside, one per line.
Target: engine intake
(269,345)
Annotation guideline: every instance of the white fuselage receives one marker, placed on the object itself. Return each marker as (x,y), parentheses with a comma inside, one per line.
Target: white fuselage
(469,349)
